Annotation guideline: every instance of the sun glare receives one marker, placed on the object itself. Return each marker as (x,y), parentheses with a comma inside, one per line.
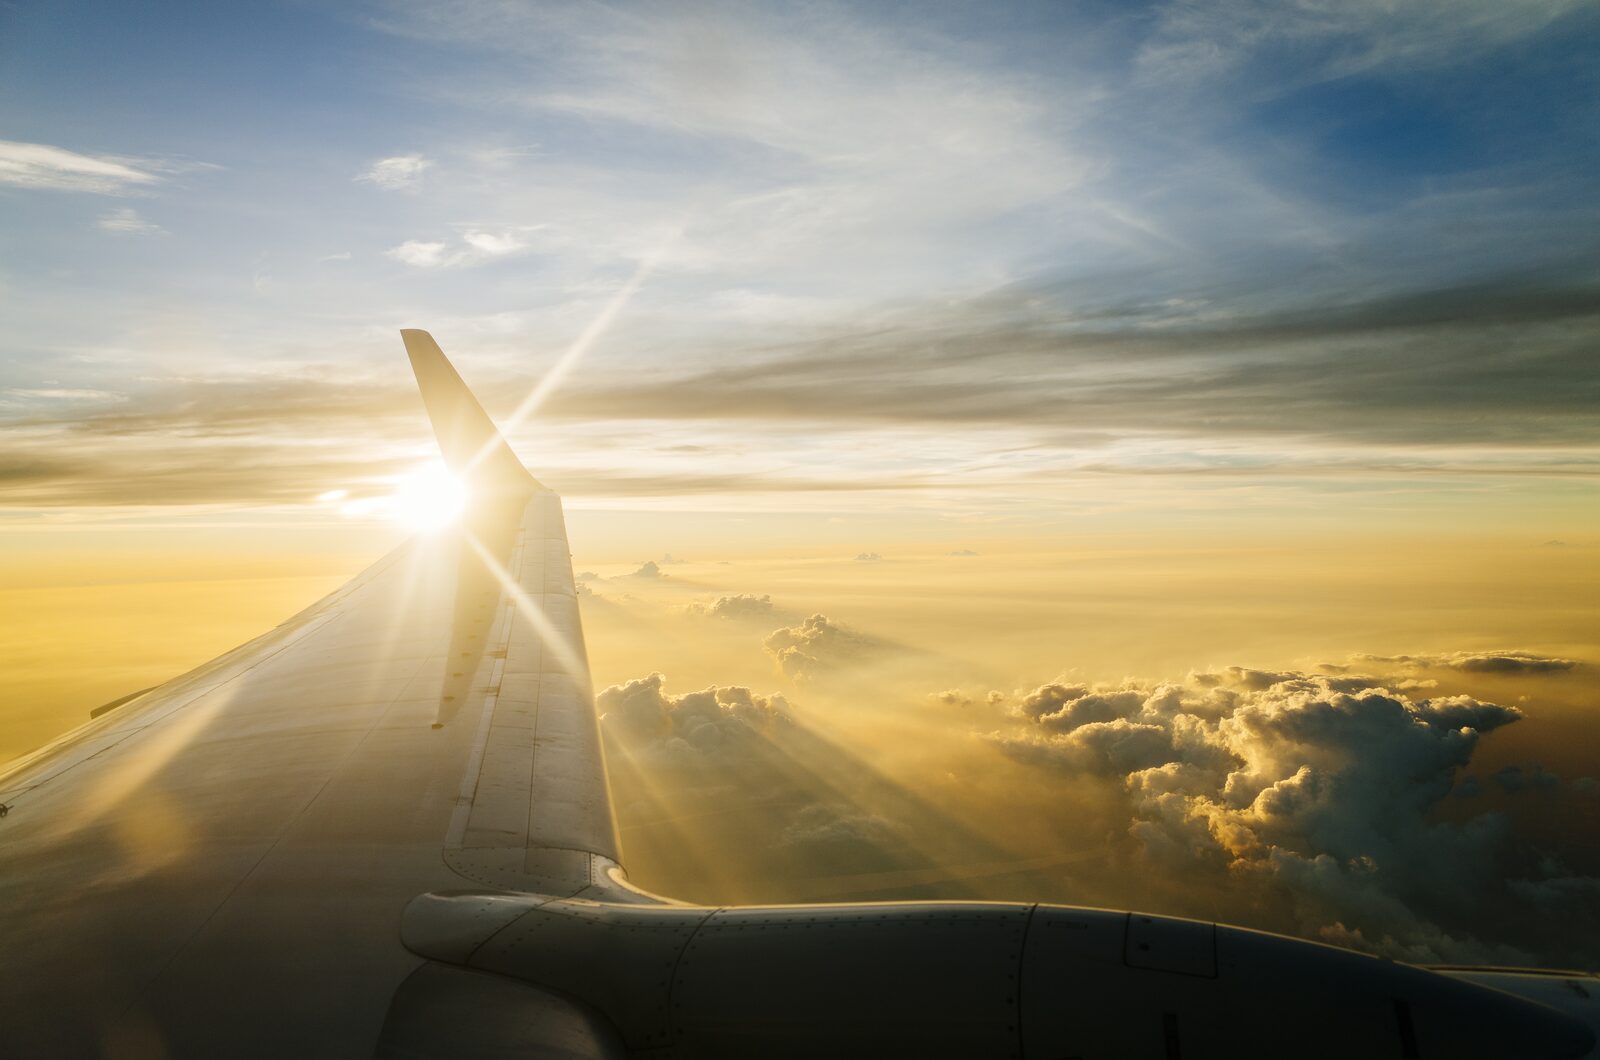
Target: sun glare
(426,498)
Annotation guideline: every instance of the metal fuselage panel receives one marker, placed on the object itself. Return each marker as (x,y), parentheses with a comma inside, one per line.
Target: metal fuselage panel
(219,867)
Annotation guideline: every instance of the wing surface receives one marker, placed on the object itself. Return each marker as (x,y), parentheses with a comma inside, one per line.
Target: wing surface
(218,866)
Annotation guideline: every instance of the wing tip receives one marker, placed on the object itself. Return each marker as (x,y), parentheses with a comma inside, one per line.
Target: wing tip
(468,439)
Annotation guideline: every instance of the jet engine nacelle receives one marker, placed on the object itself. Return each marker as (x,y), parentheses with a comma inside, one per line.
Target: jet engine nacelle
(973,979)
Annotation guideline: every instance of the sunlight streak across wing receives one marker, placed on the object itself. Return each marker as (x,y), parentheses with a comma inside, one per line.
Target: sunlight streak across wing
(552,638)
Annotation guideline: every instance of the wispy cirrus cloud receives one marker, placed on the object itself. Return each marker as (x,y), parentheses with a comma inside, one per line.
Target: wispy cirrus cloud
(27,165)
(1336,38)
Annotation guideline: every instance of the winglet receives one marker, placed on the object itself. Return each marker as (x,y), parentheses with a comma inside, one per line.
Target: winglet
(468,439)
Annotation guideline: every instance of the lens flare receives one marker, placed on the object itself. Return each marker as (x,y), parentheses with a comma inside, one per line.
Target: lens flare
(426,499)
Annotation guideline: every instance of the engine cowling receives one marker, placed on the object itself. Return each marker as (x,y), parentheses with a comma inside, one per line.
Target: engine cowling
(971,979)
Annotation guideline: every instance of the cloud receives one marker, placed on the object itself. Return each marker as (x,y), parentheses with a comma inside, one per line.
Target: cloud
(1311,787)
(831,838)
(716,722)
(743,606)
(1570,892)
(127,220)
(1479,662)
(27,165)
(815,646)
(829,134)
(492,244)
(1515,779)
(649,569)
(868,557)
(476,248)
(396,173)
(419,254)
(138,447)
(1334,38)
(1313,375)
(1145,358)
(963,552)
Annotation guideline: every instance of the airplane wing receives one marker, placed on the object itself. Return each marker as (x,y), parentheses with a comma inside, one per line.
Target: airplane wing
(217,866)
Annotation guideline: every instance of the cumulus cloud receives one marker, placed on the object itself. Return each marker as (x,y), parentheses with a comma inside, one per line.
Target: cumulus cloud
(715,721)
(868,557)
(739,606)
(397,172)
(1317,787)
(25,165)
(1478,662)
(648,569)
(814,646)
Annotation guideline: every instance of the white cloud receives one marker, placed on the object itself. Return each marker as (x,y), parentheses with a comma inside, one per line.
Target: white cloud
(26,165)
(419,254)
(491,244)
(477,248)
(128,220)
(392,174)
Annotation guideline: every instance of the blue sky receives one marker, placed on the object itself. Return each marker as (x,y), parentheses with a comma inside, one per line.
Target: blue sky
(873,245)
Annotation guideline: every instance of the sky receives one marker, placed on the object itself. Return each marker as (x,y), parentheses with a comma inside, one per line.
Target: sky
(1144,346)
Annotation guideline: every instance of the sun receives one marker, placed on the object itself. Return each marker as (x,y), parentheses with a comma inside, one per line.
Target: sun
(427,498)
